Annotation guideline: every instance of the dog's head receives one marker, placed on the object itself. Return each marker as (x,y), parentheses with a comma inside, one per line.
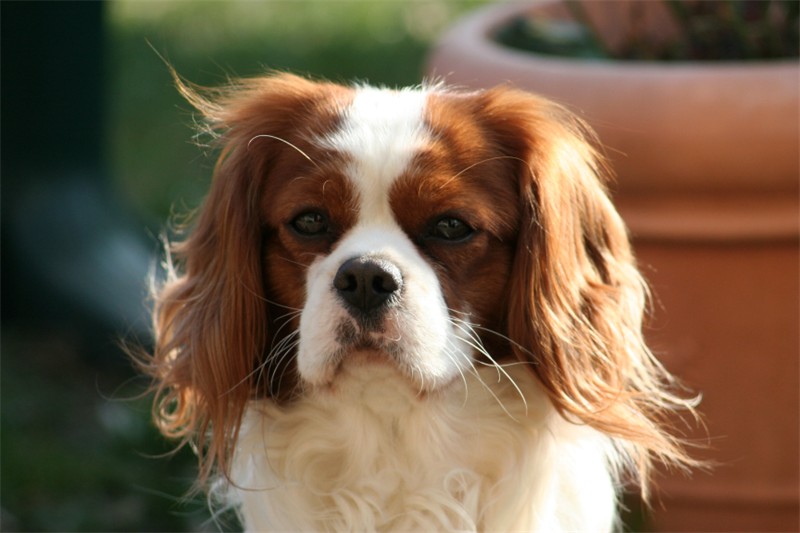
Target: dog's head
(426,229)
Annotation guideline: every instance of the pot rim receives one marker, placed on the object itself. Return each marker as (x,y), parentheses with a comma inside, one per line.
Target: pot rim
(760,205)
(477,30)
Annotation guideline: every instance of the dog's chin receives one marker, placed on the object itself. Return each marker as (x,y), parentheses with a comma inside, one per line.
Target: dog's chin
(358,366)
(366,355)
(372,379)
(363,363)
(366,358)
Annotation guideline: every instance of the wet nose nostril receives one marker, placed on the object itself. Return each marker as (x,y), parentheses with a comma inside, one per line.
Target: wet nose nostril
(367,283)
(345,282)
(385,283)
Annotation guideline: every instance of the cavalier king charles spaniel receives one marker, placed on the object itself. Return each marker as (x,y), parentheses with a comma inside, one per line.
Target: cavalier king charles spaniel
(407,310)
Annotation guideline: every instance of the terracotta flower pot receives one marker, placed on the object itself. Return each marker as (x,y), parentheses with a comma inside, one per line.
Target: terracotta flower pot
(706,156)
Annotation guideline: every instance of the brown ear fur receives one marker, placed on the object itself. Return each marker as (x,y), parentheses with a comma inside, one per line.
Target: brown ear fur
(211,316)
(577,300)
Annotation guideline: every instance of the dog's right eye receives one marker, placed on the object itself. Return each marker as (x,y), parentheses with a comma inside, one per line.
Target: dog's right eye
(310,224)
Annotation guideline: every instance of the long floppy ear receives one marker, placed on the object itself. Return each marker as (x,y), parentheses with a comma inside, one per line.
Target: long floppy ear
(577,300)
(211,316)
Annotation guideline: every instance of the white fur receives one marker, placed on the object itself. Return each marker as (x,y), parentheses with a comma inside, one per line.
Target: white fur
(373,456)
(382,131)
(419,438)
(430,350)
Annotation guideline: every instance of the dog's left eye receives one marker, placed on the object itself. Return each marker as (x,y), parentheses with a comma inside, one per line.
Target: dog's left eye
(451,229)
(310,224)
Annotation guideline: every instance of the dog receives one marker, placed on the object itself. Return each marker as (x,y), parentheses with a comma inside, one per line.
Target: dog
(408,310)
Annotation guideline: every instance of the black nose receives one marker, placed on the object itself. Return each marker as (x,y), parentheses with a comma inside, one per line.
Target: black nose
(367,283)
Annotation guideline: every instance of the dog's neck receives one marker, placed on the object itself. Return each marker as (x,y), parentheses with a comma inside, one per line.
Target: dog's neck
(371,453)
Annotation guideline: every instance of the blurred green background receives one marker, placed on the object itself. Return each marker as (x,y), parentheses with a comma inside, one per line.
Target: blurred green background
(78,450)
(382,42)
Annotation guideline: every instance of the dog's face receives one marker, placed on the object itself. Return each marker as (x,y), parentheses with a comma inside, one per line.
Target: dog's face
(395,237)
(426,229)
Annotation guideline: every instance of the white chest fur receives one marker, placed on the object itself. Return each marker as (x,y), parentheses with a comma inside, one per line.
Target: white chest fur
(372,456)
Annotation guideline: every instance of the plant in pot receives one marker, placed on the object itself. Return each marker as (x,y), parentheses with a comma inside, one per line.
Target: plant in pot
(696,103)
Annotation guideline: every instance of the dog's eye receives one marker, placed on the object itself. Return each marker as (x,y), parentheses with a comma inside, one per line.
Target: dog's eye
(451,229)
(310,224)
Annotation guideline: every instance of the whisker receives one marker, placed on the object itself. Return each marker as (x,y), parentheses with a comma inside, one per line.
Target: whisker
(258,371)
(287,351)
(504,365)
(276,356)
(489,389)
(474,371)
(271,302)
(288,317)
(297,310)
(452,354)
(505,338)
(284,141)
(294,262)
(474,341)
(493,332)
(487,160)
(277,348)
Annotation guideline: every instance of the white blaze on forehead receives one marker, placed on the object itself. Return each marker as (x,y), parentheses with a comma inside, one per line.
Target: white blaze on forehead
(381,132)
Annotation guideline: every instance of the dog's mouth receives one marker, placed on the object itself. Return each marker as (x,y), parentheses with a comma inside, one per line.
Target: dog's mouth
(391,344)
(367,348)
(364,351)
(356,337)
